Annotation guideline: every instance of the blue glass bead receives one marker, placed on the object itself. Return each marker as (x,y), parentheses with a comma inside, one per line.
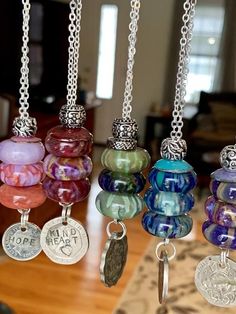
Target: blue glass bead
(220,236)
(167,227)
(224,175)
(119,206)
(177,166)
(224,191)
(168,203)
(121,182)
(221,213)
(171,181)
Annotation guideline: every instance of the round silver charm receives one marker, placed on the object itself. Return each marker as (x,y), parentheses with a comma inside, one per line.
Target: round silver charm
(228,157)
(72,116)
(24,126)
(22,244)
(163,277)
(121,144)
(172,149)
(125,128)
(113,259)
(64,243)
(215,282)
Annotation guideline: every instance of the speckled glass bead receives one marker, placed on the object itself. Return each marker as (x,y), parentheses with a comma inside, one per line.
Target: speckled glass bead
(21,151)
(224,175)
(176,166)
(224,191)
(22,197)
(121,182)
(22,175)
(119,206)
(66,192)
(221,213)
(220,236)
(125,161)
(168,203)
(167,227)
(171,181)
(68,142)
(67,169)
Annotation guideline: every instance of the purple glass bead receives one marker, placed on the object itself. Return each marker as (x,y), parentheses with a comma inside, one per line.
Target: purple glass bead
(224,175)
(21,151)
(67,169)
(224,191)
(223,237)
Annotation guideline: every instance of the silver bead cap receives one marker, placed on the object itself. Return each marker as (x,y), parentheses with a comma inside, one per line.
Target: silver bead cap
(72,116)
(125,128)
(173,149)
(228,157)
(121,144)
(24,127)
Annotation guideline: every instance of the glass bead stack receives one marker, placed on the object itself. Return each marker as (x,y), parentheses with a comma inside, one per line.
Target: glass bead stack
(122,180)
(220,207)
(169,198)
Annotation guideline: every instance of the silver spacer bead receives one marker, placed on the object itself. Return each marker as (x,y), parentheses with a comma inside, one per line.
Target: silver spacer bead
(228,157)
(24,127)
(72,116)
(173,149)
(125,128)
(121,144)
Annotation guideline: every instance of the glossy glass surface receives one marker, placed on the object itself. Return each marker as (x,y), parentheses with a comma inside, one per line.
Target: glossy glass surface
(224,191)
(119,206)
(179,166)
(224,175)
(167,227)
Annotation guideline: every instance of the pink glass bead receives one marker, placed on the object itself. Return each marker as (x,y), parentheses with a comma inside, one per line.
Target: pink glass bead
(67,169)
(66,192)
(22,197)
(64,142)
(22,175)
(21,151)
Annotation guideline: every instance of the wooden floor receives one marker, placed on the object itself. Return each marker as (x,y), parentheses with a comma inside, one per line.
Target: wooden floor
(42,287)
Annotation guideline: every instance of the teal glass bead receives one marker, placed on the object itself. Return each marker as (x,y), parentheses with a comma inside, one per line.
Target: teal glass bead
(167,227)
(168,203)
(125,161)
(176,166)
(119,206)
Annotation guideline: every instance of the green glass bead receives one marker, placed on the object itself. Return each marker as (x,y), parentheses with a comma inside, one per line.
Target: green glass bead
(119,206)
(125,161)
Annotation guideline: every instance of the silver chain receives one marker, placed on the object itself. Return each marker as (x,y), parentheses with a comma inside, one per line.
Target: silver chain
(73,50)
(24,80)
(133,27)
(182,73)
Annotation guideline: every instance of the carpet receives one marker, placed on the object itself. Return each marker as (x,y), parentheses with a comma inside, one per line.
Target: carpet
(140,295)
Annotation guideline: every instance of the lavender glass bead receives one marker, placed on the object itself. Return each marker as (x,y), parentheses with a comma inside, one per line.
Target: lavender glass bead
(224,175)
(224,191)
(220,236)
(67,169)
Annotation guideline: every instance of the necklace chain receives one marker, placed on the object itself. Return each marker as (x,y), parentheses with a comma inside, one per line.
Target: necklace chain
(73,50)
(182,73)
(133,27)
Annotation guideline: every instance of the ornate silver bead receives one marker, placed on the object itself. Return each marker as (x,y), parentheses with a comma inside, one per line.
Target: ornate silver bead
(121,144)
(173,149)
(24,126)
(72,116)
(228,157)
(125,128)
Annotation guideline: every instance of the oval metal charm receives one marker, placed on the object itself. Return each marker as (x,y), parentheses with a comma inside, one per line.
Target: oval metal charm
(163,277)
(64,243)
(22,244)
(113,259)
(215,282)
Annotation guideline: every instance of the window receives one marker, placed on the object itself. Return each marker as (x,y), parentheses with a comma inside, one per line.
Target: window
(107,48)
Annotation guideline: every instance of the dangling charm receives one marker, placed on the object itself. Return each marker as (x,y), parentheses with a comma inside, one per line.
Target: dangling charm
(22,169)
(121,180)
(169,199)
(215,276)
(64,240)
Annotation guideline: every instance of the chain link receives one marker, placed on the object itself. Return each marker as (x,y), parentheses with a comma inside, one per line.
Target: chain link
(182,73)
(73,50)
(133,27)
(24,79)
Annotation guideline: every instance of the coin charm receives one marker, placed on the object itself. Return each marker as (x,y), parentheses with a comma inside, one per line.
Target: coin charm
(163,276)
(22,244)
(113,259)
(64,243)
(217,282)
